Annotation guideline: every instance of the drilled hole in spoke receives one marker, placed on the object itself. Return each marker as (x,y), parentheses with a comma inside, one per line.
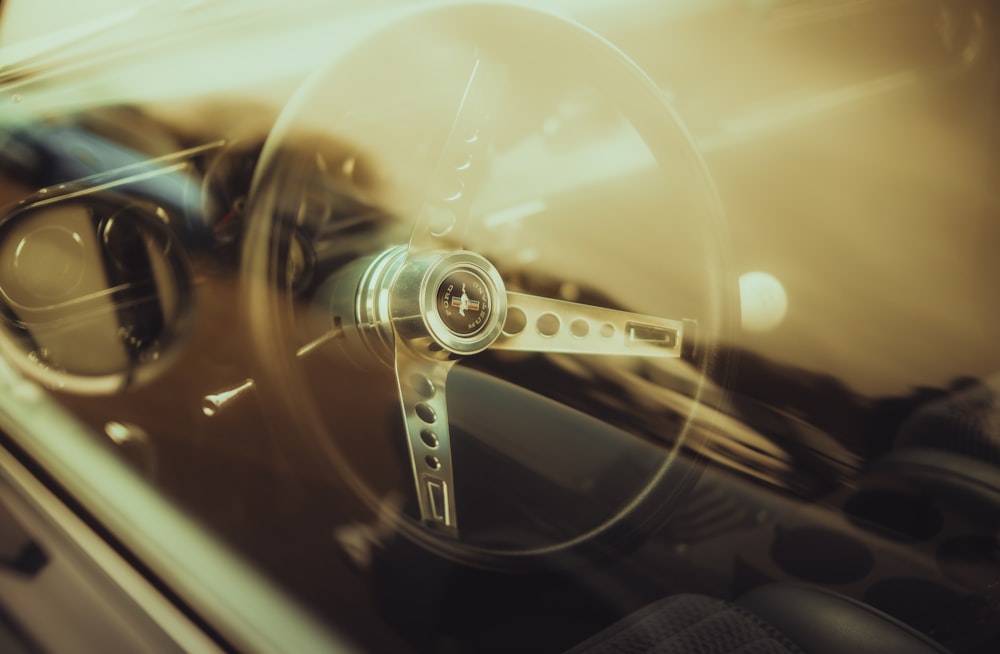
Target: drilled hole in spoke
(454,195)
(607,330)
(429,438)
(423,386)
(426,413)
(548,324)
(432,462)
(516,322)
(442,221)
(579,328)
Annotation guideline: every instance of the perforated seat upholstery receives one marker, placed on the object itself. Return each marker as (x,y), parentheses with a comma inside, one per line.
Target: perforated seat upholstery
(689,624)
(773,619)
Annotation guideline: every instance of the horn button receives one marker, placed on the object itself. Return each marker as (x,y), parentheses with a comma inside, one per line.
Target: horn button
(464,303)
(461,302)
(440,304)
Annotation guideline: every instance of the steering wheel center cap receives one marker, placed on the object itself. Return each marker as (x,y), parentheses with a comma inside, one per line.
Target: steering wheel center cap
(448,303)
(464,303)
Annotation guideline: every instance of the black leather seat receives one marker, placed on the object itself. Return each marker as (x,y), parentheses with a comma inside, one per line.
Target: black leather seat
(950,448)
(782,618)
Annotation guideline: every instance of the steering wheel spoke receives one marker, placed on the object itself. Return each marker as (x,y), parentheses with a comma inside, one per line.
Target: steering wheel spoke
(464,159)
(539,324)
(421,385)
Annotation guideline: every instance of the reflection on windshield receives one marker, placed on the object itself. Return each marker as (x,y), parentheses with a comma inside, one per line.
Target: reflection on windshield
(208,233)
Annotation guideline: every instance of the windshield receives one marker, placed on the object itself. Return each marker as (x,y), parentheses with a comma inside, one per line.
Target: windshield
(404,308)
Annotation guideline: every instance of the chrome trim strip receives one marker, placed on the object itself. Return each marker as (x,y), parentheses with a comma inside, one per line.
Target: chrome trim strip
(160,610)
(246,608)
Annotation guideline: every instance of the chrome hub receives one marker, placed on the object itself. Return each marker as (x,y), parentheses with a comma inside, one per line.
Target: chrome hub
(448,303)
(440,304)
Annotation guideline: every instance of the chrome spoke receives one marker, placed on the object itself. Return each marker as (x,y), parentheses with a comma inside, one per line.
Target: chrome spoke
(421,385)
(463,162)
(538,324)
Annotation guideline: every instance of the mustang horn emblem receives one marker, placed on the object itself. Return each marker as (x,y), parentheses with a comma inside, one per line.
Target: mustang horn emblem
(464,303)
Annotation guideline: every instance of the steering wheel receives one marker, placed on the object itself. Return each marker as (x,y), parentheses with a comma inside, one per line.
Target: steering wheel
(384,231)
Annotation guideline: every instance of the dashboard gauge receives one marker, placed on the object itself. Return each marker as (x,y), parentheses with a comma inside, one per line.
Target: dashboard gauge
(224,188)
(94,291)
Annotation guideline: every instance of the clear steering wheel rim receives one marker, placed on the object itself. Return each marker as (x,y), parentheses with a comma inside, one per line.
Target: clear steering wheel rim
(425,352)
